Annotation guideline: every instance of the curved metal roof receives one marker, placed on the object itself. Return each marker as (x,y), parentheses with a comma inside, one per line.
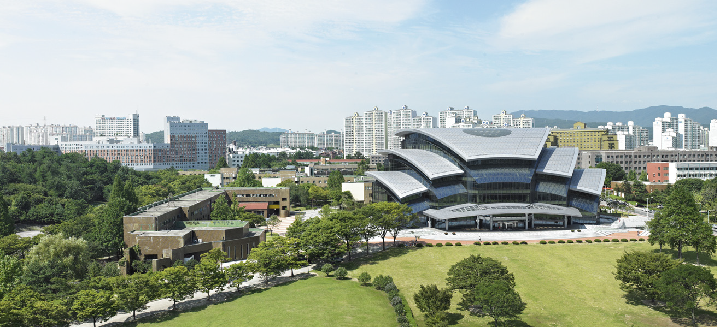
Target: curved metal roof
(557,161)
(431,164)
(588,180)
(472,210)
(488,143)
(400,183)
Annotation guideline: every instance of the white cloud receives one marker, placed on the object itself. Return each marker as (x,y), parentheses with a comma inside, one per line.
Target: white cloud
(604,28)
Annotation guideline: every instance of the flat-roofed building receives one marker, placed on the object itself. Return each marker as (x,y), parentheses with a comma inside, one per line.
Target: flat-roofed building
(583,138)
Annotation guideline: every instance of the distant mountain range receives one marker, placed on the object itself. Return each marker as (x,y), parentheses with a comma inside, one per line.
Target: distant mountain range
(641,117)
(273,129)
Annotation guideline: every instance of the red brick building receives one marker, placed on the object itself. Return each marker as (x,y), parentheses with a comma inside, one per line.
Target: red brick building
(217,146)
(658,172)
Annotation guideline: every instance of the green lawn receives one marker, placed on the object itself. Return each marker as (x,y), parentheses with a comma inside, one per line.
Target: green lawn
(562,284)
(317,301)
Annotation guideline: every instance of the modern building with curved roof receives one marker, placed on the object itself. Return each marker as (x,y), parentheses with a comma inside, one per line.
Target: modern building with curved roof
(489,177)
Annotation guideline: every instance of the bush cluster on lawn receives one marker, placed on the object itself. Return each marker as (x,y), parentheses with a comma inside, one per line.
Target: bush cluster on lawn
(487,243)
(476,243)
(543,242)
(449,244)
(438,245)
(429,245)
(597,240)
(561,241)
(504,243)
(341,273)
(551,242)
(588,241)
(385,283)
(458,244)
(516,243)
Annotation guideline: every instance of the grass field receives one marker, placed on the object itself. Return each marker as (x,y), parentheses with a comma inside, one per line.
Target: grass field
(317,301)
(562,284)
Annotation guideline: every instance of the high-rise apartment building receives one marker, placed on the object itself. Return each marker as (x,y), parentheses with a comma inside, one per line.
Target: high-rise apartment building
(425,121)
(504,119)
(217,146)
(366,134)
(678,133)
(321,140)
(128,151)
(188,141)
(713,132)
(629,136)
(117,126)
(398,120)
(12,135)
(448,118)
(523,122)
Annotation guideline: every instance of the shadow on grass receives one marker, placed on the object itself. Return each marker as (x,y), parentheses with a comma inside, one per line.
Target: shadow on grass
(376,257)
(454,317)
(195,305)
(704,318)
(689,256)
(515,323)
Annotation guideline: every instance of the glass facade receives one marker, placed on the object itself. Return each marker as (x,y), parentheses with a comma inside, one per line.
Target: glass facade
(484,181)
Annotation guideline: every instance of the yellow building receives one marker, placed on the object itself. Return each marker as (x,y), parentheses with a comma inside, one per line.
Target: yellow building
(583,138)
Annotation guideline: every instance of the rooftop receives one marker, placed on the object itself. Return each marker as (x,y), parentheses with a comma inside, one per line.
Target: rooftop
(588,180)
(400,183)
(557,161)
(431,164)
(488,143)
(472,210)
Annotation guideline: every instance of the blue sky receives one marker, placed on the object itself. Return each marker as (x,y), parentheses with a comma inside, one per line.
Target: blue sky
(308,64)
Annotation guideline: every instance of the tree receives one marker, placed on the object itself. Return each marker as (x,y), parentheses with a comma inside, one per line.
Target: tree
(703,240)
(7,225)
(684,288)
(327,268)
(467,274)
(320,240)
(693,185)
(221,210)
(95,305)
(273,221)
(267,260)
(290,249)
(56,257)
(367,228)
(221,163)
(23,306)
(631,176)
(10,273)
(362,167)
(364,278)
(108,229)
(613,172)
(496,299)
(237,274)
(335,180)
(134,292)
(676,223)
(347,228)
(643,176)
(402,217)
(208,273)
(245,178)
(431,300)
(640,270)
(176,283)
(341,273)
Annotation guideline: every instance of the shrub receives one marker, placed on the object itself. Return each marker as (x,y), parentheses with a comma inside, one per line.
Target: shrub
(588,241)
(579,241)
(458,244)
(579,231)
(364,278)
(396,300)
(476,243)
(487,243)
(551,242)
(327,269)
(438,245)
(597,240)
(570,241)
(523,242)
(543,242)
(341,273)
(391,289)
(380,281)
(572,231)
(454,233)
(516,243)
(402,320)
(633,240)
(561,241)
(641,240)
(419,245)
(616,240)
(400,245)
(494,242)
(449,244)
(624,240)
(504,243)
(429,245)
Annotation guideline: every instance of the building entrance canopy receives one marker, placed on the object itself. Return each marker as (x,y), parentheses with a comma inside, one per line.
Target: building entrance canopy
(473,210)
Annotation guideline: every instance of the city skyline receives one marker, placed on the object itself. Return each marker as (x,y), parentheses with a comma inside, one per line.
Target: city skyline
(314,63)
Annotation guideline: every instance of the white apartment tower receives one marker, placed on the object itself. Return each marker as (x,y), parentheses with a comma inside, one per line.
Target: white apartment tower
(629,136)
(425,121)
(189,143)
(366,134)
(398,120)
(678,133)
(503,119)
(713,132)
(523,122)
(117,126)
(448,118)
